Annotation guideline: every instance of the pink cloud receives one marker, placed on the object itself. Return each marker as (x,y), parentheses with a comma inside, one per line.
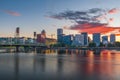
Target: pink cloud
(12,13)
(113,11)
(111,20)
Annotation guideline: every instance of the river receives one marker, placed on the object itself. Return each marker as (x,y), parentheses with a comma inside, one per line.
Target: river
(51,65)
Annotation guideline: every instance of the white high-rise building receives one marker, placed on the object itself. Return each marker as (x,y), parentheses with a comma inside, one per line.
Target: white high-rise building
(85,34)
(112,38)
(78,40)
(105,39)
(59,35)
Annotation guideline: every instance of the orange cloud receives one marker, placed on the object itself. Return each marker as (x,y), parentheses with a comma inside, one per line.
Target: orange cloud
(12,13)
(98,29)
(94,28)
(117,34)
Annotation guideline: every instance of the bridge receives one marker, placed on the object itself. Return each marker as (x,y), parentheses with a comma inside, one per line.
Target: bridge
(43,47)
(17,46)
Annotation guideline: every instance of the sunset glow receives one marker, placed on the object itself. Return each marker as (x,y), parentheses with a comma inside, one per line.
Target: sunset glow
(73,16)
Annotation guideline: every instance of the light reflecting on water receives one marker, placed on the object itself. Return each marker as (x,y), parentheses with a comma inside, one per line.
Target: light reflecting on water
(65,65)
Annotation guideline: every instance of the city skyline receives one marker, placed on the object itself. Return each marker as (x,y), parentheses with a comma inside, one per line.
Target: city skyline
(36,15)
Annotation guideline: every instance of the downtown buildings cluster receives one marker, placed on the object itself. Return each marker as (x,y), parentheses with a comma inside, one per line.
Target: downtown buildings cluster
(38,38)
(84,40)
(81,39)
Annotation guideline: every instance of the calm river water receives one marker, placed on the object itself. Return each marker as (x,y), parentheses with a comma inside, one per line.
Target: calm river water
(82,65)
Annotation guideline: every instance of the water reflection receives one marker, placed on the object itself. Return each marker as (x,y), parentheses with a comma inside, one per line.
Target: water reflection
(61,65)
(16,67)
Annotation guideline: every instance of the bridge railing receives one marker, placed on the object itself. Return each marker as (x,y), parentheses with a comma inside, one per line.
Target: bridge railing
(37,44)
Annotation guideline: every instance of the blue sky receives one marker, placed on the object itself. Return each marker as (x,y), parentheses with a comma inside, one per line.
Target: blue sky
(32,15)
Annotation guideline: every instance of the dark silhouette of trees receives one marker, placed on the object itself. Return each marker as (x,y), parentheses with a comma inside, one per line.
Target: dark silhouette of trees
(92,44)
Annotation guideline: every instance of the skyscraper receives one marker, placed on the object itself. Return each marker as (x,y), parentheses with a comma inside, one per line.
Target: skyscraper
(112,38)
(78,40)
(17,35)
(17,32)
(59,31)
(96,38)
(35,35)
(59,35)
(85,34)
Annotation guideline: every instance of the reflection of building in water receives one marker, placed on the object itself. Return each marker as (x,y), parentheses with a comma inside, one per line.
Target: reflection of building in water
(60,63)
(97,51)
(61,51)
(84,52)
(16,67)
(39,64)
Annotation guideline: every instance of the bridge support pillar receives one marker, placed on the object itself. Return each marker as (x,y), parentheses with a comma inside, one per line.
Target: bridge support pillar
(17,48)
(34,49)
(26,49)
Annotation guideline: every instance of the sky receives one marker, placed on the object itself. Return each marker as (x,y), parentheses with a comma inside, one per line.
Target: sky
(74,16)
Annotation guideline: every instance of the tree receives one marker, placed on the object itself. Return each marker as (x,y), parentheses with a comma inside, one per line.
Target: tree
(117,44)
(101,45)
(110,45)
(92,44)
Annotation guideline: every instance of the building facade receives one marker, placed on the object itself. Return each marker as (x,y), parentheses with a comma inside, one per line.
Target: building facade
(43,33)
(96,38)
(85,34)
(112,38)
(105,40)
(67,39)
(40,38)
(59,35)
(78,40)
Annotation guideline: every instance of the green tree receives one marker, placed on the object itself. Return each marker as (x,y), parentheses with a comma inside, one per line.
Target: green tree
(117,44)
(101,45)
(110,45)
(92,44)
